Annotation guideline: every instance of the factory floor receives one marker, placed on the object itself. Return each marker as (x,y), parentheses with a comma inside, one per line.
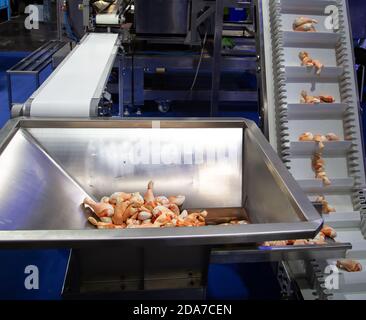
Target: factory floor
(15,37)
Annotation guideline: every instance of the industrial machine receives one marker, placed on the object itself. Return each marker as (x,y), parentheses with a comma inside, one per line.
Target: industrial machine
(71,155)
(171,53)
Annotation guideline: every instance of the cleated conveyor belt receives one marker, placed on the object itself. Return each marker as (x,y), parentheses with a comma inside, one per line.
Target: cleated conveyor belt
(287,119)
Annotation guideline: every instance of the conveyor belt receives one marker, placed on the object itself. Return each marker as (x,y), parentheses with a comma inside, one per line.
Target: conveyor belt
(288,119)
(76,86)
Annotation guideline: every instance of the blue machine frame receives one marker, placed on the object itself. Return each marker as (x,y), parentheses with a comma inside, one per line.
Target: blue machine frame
(33,65)
(5,5)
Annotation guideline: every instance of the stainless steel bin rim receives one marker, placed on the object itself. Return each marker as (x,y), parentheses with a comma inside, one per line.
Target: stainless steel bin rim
(209,235)
(308,224)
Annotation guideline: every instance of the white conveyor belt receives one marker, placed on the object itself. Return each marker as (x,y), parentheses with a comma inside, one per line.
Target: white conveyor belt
(75,87)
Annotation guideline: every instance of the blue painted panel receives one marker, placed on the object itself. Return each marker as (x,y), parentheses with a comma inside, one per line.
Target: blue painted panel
(4,3)
(237,14)
(7,60)
(18,274)
(357,13)
(5,6)
(22,85)
(251,281)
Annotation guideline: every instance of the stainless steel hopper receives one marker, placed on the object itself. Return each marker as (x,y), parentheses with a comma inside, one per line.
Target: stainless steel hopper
(226,166)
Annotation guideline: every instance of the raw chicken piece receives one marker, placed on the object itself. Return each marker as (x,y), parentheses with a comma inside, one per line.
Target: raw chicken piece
(304,24)
(349,265)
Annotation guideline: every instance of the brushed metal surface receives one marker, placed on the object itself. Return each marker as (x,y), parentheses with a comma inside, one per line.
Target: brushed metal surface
(35,192)
(161,16)
(276,207)
(284,253)
(199,162)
